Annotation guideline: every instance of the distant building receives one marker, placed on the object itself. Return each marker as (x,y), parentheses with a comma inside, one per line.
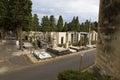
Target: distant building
(62,38)
(70,37)
(93,35)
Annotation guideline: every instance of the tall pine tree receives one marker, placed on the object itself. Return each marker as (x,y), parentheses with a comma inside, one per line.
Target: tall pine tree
(45,24)
(77,24)
(52,23)
(74,25)
(65,28)
(20,13)
(60,24)
(87,25)
(71,25)
(3,15)
(3,11)
(36,26)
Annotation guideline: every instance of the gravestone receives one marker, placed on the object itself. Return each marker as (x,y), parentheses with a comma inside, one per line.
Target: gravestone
(54,42)
(108,49)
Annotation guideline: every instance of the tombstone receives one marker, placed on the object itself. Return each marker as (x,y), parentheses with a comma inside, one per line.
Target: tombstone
(17,43)
(67,42)
(108,52)
(39,43)
(26,38)
(54,42)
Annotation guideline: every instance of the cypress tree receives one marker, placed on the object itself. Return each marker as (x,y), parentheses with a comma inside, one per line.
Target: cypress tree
(45,24)
(74,25)
(20,13)
(60,24)
(52,23)
(36,26)
(77,25)
(65,28)
(3,11)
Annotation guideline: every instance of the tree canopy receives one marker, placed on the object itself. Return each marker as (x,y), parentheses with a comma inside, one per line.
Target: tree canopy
(17,14)
(60,24)
(45,24)
(3,12)
(35,23)
(48,24)
(20,12)
(65,28)
(52,23)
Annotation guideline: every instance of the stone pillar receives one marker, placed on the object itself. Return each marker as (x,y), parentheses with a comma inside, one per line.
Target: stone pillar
(67,43)
(108,49)
(54,40)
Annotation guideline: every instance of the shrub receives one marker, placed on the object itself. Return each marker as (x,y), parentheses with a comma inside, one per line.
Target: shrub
(68,75)
(93,42)
(62,45)
(76,75)
(75,44)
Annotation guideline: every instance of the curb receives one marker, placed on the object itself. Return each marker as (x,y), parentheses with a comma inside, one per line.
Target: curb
(3,70)
(35,61)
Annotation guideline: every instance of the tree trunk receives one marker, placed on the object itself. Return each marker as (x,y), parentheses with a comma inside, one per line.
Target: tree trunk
(4,35)
(108,48)
(19,37)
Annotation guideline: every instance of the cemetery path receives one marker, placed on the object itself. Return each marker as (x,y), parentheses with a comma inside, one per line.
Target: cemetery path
(49,71)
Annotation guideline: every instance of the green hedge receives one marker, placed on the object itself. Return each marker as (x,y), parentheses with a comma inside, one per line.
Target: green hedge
(76,75)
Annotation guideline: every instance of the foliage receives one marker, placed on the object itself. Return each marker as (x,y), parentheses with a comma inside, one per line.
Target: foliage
(52,23)
(93,42)
(65,28)
(74,25)
(88,26)
(45,24)
(20,12)
(77,24)
(75,44)
(35,23)
(15,14)
(76,75)
(94,26)
(85,26)
(3,13)
(60,24)
(62,45)
(48,24)
(20,16)
(109,78)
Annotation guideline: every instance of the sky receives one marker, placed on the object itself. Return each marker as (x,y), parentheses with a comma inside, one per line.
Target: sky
(84,9)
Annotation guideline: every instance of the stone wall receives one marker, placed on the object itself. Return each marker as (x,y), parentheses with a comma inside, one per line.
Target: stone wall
(108,52)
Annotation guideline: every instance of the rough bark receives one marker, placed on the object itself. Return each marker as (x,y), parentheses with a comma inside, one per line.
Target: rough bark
(108,51)
(19,37)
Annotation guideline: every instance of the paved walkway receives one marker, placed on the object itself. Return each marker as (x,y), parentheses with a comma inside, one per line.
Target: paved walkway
(10,56)
(3,69)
